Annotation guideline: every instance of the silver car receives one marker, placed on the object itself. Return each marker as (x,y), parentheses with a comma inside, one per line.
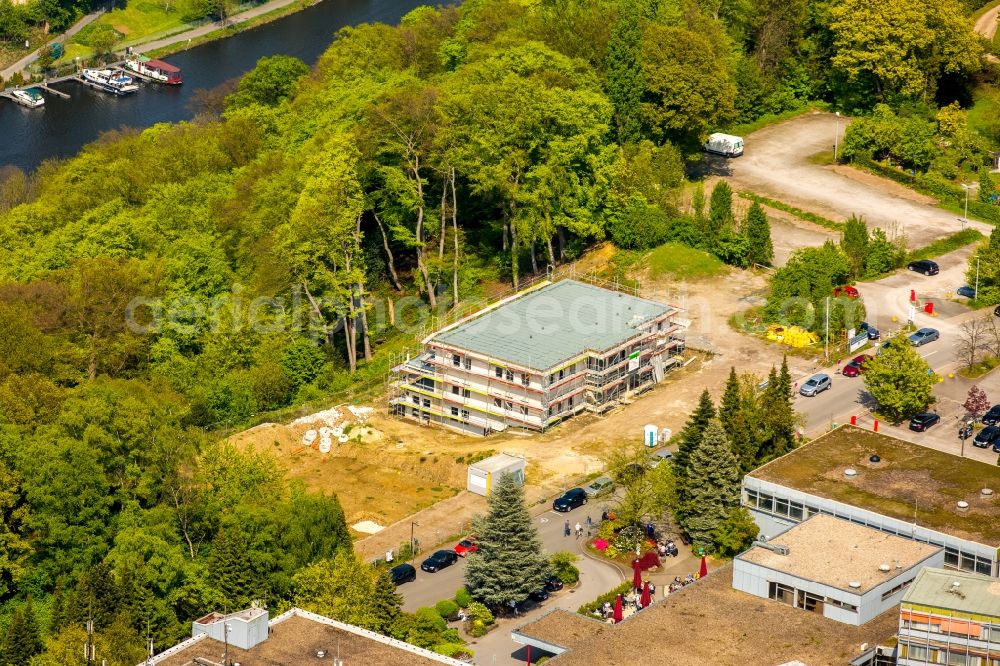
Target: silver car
(816,384)
(659,456)
(923,336)
(599,486)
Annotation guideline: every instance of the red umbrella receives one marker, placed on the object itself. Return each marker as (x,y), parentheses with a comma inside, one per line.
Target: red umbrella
(704,568)
(618,615)
(647,597)
(636,574)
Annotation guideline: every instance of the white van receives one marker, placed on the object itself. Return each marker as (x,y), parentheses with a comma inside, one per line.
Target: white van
(724,144)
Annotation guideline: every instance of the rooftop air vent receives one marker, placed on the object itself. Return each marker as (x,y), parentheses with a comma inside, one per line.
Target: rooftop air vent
(986,493)
(875,458)
(854,585)
(850,472)
(884,568)
(963,505)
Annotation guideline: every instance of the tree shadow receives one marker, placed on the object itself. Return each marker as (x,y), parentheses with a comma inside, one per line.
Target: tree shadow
(708,165)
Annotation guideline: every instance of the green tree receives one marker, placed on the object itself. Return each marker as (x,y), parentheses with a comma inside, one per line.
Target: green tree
(987,188)
(757,230)
(350,590)
(624,81)
(984,264)
(103,39)
(509,565)
(564,567)
(713,491)
(883,255)
(23,640)
(899,380)
(720,210)
(735,534)
(269,83)
(777,416)
(690,436)
(854,243)
(902,47)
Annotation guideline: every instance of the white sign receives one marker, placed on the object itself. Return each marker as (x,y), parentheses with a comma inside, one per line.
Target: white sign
(633,364)
(857,342)
(912,316)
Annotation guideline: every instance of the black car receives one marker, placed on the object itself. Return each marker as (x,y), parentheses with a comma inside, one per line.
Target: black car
(925,266)
(402,573)
(992,417)
(571,499)
(539,596)
(966,291)
(439,560)
(987,436)
(996,311)
(922,422)
(553,584)
(871,331)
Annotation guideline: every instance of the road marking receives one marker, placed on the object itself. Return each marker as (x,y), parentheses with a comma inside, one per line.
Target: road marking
(543,519)
(931,354)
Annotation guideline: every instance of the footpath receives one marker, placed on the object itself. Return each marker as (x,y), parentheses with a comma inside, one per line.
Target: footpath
(154,44)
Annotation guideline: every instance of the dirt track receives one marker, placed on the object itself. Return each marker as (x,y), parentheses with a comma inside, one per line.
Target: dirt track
(986,25)
(776,163)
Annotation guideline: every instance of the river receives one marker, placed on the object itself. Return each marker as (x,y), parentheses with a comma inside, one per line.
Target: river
(63,126)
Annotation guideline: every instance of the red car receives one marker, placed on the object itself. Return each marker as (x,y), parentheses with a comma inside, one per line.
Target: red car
(466,546)
(846,290)
(856,366)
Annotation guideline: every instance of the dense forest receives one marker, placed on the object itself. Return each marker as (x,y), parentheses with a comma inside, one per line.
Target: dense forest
(166,283)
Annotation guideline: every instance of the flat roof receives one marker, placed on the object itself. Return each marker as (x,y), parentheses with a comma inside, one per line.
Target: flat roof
(296,637)
(554,323)
(974,593)
(911,483)
(838,552)
(709,622)
(497,463)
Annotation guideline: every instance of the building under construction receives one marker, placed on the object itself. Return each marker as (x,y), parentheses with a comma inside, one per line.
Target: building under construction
(536,358)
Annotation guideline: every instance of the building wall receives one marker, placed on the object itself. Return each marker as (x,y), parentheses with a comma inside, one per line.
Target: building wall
(789,507)
(477,394)
(930,635)
(242,633)
(755,579)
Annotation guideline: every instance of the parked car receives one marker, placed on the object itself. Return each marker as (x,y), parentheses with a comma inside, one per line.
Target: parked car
(439,560)
(815,385)
(657,457)
(553,584)
(599,486)
(987,437)
(856,366)
(873,333)
(538,596)
(923,336)
(466,546)
(925,266)
(922,422)
(966,291)
(402,573)
(992,417)
(996,311)
(571,499)
(846,290)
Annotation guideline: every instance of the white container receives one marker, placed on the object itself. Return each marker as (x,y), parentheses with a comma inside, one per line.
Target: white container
(649,435)
(309,437)
(324,445)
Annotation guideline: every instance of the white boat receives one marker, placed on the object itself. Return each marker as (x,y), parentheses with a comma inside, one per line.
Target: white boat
(29,97)
(157,70)
(111,80)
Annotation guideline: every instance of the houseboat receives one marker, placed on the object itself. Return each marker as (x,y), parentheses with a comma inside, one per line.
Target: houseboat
(29,97)
(110,80)
(155,70)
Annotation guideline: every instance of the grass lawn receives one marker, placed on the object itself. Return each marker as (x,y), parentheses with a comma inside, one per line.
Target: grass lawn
(138,19)
(982,115)
(945,245)
(683,262)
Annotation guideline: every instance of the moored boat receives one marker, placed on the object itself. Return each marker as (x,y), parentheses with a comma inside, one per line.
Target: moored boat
(157,70)
(29,97)
(111,80)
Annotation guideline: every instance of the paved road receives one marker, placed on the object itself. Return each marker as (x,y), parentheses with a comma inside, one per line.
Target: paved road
(776,163)
(890,297)
(24,62)
(432,587)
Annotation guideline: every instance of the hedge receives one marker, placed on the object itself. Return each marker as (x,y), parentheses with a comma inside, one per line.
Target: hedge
(607,597)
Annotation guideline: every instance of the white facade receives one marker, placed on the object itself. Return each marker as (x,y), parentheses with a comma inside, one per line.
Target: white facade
(483,474)
(848,607)
(776,508)
(244,629)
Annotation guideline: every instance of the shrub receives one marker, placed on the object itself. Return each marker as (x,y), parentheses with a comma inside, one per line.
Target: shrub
(478,628)
(564,568)
(589,608)
(480,612)
(455,650)
(462,597)
(446,608)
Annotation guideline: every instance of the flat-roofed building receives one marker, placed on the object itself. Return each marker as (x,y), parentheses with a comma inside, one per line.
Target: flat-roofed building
(843,571)
(950,617)
(912,491)
(539,357)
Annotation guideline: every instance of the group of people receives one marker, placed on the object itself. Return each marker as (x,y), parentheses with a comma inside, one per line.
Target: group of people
(666,548)
(578,529)
(678,583)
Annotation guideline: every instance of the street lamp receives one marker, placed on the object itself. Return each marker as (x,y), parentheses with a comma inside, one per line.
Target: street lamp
(836,138)
(412,547)
(967,187)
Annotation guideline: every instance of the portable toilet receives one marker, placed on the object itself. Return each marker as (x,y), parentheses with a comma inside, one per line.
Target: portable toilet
(649,435)
(483,473)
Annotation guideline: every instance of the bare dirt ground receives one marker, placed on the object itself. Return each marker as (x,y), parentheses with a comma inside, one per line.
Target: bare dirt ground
(776,163)
(986,25)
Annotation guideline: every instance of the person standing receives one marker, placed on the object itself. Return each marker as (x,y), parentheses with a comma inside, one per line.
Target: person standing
(579,530)
(566,529)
